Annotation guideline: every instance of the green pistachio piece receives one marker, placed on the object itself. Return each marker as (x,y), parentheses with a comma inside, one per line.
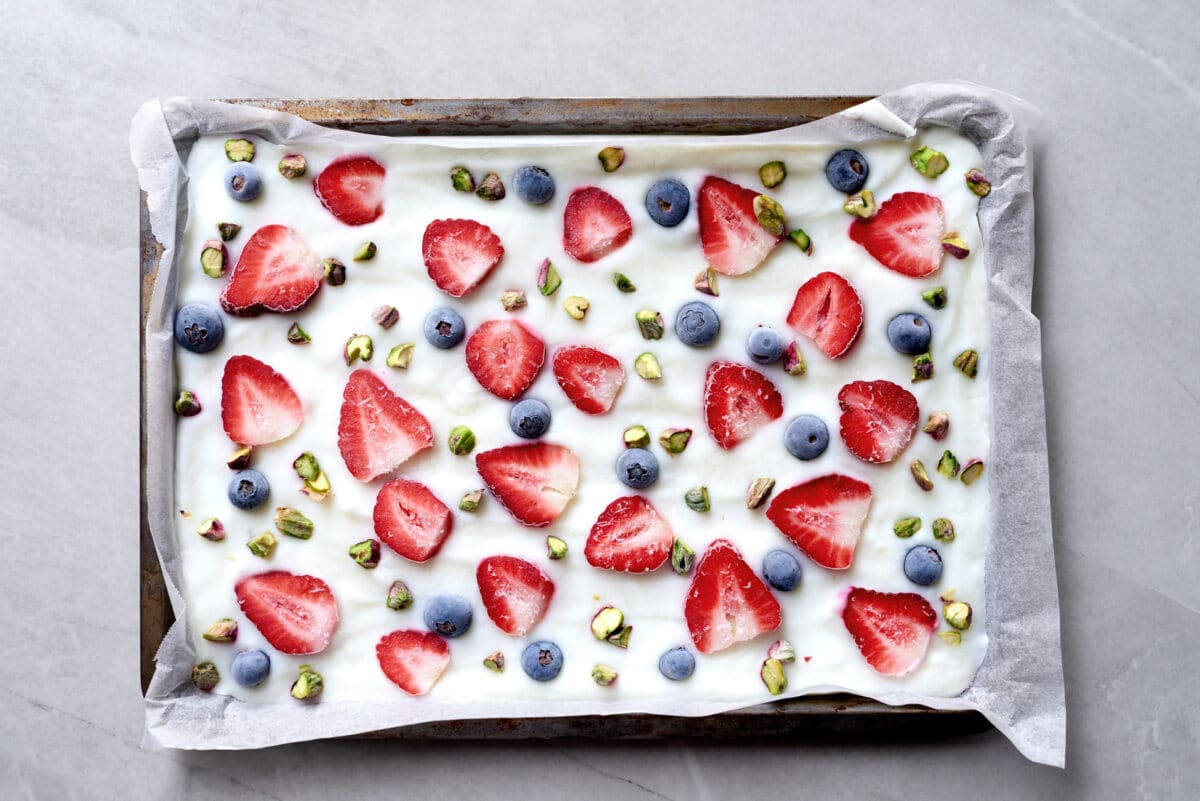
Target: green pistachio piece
(636,437)
(770,215)
(623,283)
(772,174)
(861,204)
(948,465)
(650,323)
(683,558)
(950,637)
(967,362)
(224,630)
(802,241)
(971,472)
(706,282)
(943,530)
(947,595)
(936,297)
(211,529)
(366,251)
(603,675)
(293,165)
(359,346)
(306,466)
(555,547)
(760,489)
(697,499)
(576,306)
(793,360)
(240,458)
(366,553)
(905,527)
(309,684)
(186,404)
(263,545)
(958,614)
(471,500)
(293,523)
(398,596)
(335,272)
(213,258)
(675,440)
(611,158)
(773,676)
(919,474)
(318,489)
(929,162)
(782,650)
(297,335)
(494,662)
(620,638)
(938,426)
(977,183)
(205,676)
(461,440)
(548,280)
(608,621)
(400,356)
(228,230)
(955,246)
(491,187)
(646,365)
(239,150)
(462,180)
(922,367)
(513,299)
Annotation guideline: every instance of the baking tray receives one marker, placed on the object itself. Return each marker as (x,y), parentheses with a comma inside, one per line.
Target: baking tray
(810,716)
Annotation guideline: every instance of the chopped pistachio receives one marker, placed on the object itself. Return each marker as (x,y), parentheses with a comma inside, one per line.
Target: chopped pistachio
(905,527)
(186,404)
(675,440)
(611,158)
(366,553)
(335,272)
(929,162)
(359,346)
(470,501)
(462,180)
(697,499)
(636,437)
(682,557)
(623,283)
(958,614)
(793,360)
(308,685)
(943,529)
(782,650)
(967,362)
(948,465)
(773,676)
(706,282)
(314,493)
(770,214)
(772,174)
(576,306)
(297,335)
(306,466)
(548,280)
(513,299)
(398,596)
(366,251)
(922,367)
(263,545)
(494,662)
(919,474)
(650,323)
(938,426)
(211,529)
(977,183)
(224,630)
(556,548)
(228,230)
(213,258)
(956,246)
(802,241)
(400,356)
(760,489)
(947,595)
(293,165)
(386,316)
(491,187)
(293,523)
(240,458)
(603,675)
(861,204)
(461,440)
(620,638)
(971,471)
(239,150)
(950,637)
(936,297)
(608,621)
(646,365)
(205,676)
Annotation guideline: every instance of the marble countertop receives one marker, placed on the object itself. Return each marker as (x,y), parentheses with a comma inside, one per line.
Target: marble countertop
(1116,290)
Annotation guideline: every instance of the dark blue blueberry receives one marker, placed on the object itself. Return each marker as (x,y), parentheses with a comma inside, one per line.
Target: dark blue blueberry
(806,437)
(444,328)
(243,181)
(448,615)
(198,327)
(697,324)
(533,185)
(909,333)
(847,171)
(782,570)
(922,565)
(250,668)
(248,489)
(637,467)
(529,418)
(765,345)
(542,660)
(677,664)
(667,202)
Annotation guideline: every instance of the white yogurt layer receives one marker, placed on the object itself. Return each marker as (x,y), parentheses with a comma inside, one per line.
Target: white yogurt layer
(662,262)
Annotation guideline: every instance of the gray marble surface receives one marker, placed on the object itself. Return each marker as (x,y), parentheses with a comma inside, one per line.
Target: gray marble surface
(1116,291)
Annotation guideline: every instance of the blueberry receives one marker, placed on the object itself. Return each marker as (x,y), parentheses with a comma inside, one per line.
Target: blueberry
(697,324)
(922,565)
(847,170)
(667,202)
(533,184)
(250,668)
(248,489)
(529,418)
(765,345)
(444,328)
(677,664)
(806,437)
(448,615)
(637,467)
(243,181)
(542,660)
(198,327)
(909,333)
(782,570)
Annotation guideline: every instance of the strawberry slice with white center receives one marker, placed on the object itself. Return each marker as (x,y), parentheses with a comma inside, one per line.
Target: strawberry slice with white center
(296,614)
(276,272)
(879,419)
(824,517)
(630,535)
(827,310)
(727,602)
(258,405)
(733,239)
(591,378)
(413,660)
(515,593)
(594,224)
(352,189)
(411,520)
(505,357)
(891,629)
(459,254)
(379,430)
(906,233)
(534,482)
(738,401)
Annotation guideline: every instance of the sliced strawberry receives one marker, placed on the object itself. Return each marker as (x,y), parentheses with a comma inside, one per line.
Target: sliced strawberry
(275,271)
(727,602)
(892,629)
(594,224)
(824,517)
(296,614)
(737,402)
(534,482)
(879,419)
(828,311)
(734,241)
(352,189)
(630,535)
(591,378)
(258,405)
(505,357)
(515,593)
(413,660)
(411,520)
(379,430)
(459,254)
(906,233)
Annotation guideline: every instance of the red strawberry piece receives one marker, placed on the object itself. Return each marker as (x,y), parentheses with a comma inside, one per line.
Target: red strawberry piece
(275,271)
(591,378)
(737,402)
(828,311)
(379,430)
(515,593)
(459,254)
(505,357)
(258,405)
(352,189)
(296,614)
(413,660)
(734,241)
(892,629)
(594,224)
(411,520)
(824,517)
(906,233)
(534,482)
(879,419)
(727,602)
(630,535)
